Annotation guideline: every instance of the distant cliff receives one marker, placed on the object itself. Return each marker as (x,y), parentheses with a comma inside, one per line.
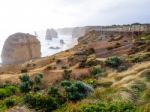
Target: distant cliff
(65,31)
(77,32)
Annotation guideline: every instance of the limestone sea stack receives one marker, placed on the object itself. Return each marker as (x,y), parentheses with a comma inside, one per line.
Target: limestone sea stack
(51,33)
(20,47)
(62,41)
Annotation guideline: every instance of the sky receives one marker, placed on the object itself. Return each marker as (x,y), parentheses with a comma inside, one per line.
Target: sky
(33,15)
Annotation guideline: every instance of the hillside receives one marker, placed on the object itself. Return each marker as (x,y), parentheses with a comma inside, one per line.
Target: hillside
(105,72)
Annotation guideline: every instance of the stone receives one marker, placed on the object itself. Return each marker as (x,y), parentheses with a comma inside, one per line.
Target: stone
(62,41)
(20,47)
(51,33)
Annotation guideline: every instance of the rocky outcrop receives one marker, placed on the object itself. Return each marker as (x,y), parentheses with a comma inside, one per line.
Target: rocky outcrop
(62,41)
(20,47)
(51,33)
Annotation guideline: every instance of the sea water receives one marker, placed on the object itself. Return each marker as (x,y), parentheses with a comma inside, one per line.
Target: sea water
(49,47)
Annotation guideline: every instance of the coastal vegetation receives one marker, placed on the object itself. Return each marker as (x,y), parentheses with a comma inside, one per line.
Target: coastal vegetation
(81,81)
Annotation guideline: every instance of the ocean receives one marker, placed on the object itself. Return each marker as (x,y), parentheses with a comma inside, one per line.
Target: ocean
(49,47)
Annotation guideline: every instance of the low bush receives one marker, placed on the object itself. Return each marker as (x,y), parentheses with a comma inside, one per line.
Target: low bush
(146,94)
(9,102)
(66,83)
(113,62)
(96,71)
(99,107)
(90,81)
(53,91)
(8,91)
(138,87)
(121,107)
(38,78)
(122,68)
(109,107)
(41,102)
(26,83)
(136,59)
(77,91)
(146,74)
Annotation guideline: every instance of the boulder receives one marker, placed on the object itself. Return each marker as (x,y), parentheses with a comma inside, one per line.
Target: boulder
(51,33)
(62,41)
(20,47)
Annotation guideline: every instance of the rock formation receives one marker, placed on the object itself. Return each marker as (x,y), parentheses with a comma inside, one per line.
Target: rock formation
(51,33)
(62,41)
(20,47)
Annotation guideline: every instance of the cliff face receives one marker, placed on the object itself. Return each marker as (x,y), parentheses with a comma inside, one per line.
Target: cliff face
(51,33)
(81,31)
(20,47)
(107,44)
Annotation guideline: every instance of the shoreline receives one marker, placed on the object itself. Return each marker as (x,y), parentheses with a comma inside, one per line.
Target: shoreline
(71,45)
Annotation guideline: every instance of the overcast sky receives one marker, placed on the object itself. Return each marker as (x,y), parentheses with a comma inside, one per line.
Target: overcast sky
(31,15)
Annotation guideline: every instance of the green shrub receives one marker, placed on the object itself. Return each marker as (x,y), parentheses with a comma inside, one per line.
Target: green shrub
(113,62)
(90,81)
(4,93)
(122,68)
(121,107)
(66,83)
(99,107)
(25,87)
(40,102)
(36,88)
(109,107)
(96,70)
(9,102)
(8,91)
(136,59)
(53,91)
(77,91)
(24,77)
(26,84)
(38,78)
(138,87)
(146,74)
(146,94)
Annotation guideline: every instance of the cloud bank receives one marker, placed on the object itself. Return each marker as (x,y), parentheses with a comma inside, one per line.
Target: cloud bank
(30,15)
